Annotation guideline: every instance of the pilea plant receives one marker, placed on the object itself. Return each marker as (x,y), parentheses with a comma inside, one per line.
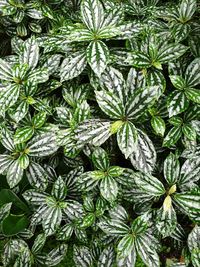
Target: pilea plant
(99,133)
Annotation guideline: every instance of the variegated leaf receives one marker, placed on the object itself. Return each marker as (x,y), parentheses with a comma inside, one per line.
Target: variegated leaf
(51,220)
(72,66)
(194,245)
(171,169)
(100,159)
(56,255)
(30,54)
(125,246)
(23,134)
(14,174)
(5,162)
(93,131)
(37,176)
(107,257)
(190,173)
(140,101)
(9,96)
(97,54)
(144,156)
(92,13)
(127,138)
(59,190)
(110,104)
(82,256)
(5,71)
(148,255)
(42,145)
(158,124)
(149,184)
(109,188)
(177,103)
(172,137)
(193,95)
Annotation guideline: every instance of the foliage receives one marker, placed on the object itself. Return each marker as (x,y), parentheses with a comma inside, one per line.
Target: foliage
(99,133)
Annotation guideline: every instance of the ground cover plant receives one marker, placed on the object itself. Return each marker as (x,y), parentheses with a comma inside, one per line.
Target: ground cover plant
(99,133)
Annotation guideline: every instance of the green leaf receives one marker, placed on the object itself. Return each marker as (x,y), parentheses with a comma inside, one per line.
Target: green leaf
(177,103)
(39,75)
(82,112)
(109,188)
(23,134)
(30,54)
(130,260)
(34,197)
(127,138)
(8,196)
(119,213)
(92,14)
(171,169)
(125,246)
(176,121)
(13,224)
(114,82)
(97,54)
(193,95)
(139,101)
(149,184)
(73,210)
(110,104)
(4,211)
(7,139)
(172,137)
(158,124)
(14,174)
(100,159)
(72,66)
